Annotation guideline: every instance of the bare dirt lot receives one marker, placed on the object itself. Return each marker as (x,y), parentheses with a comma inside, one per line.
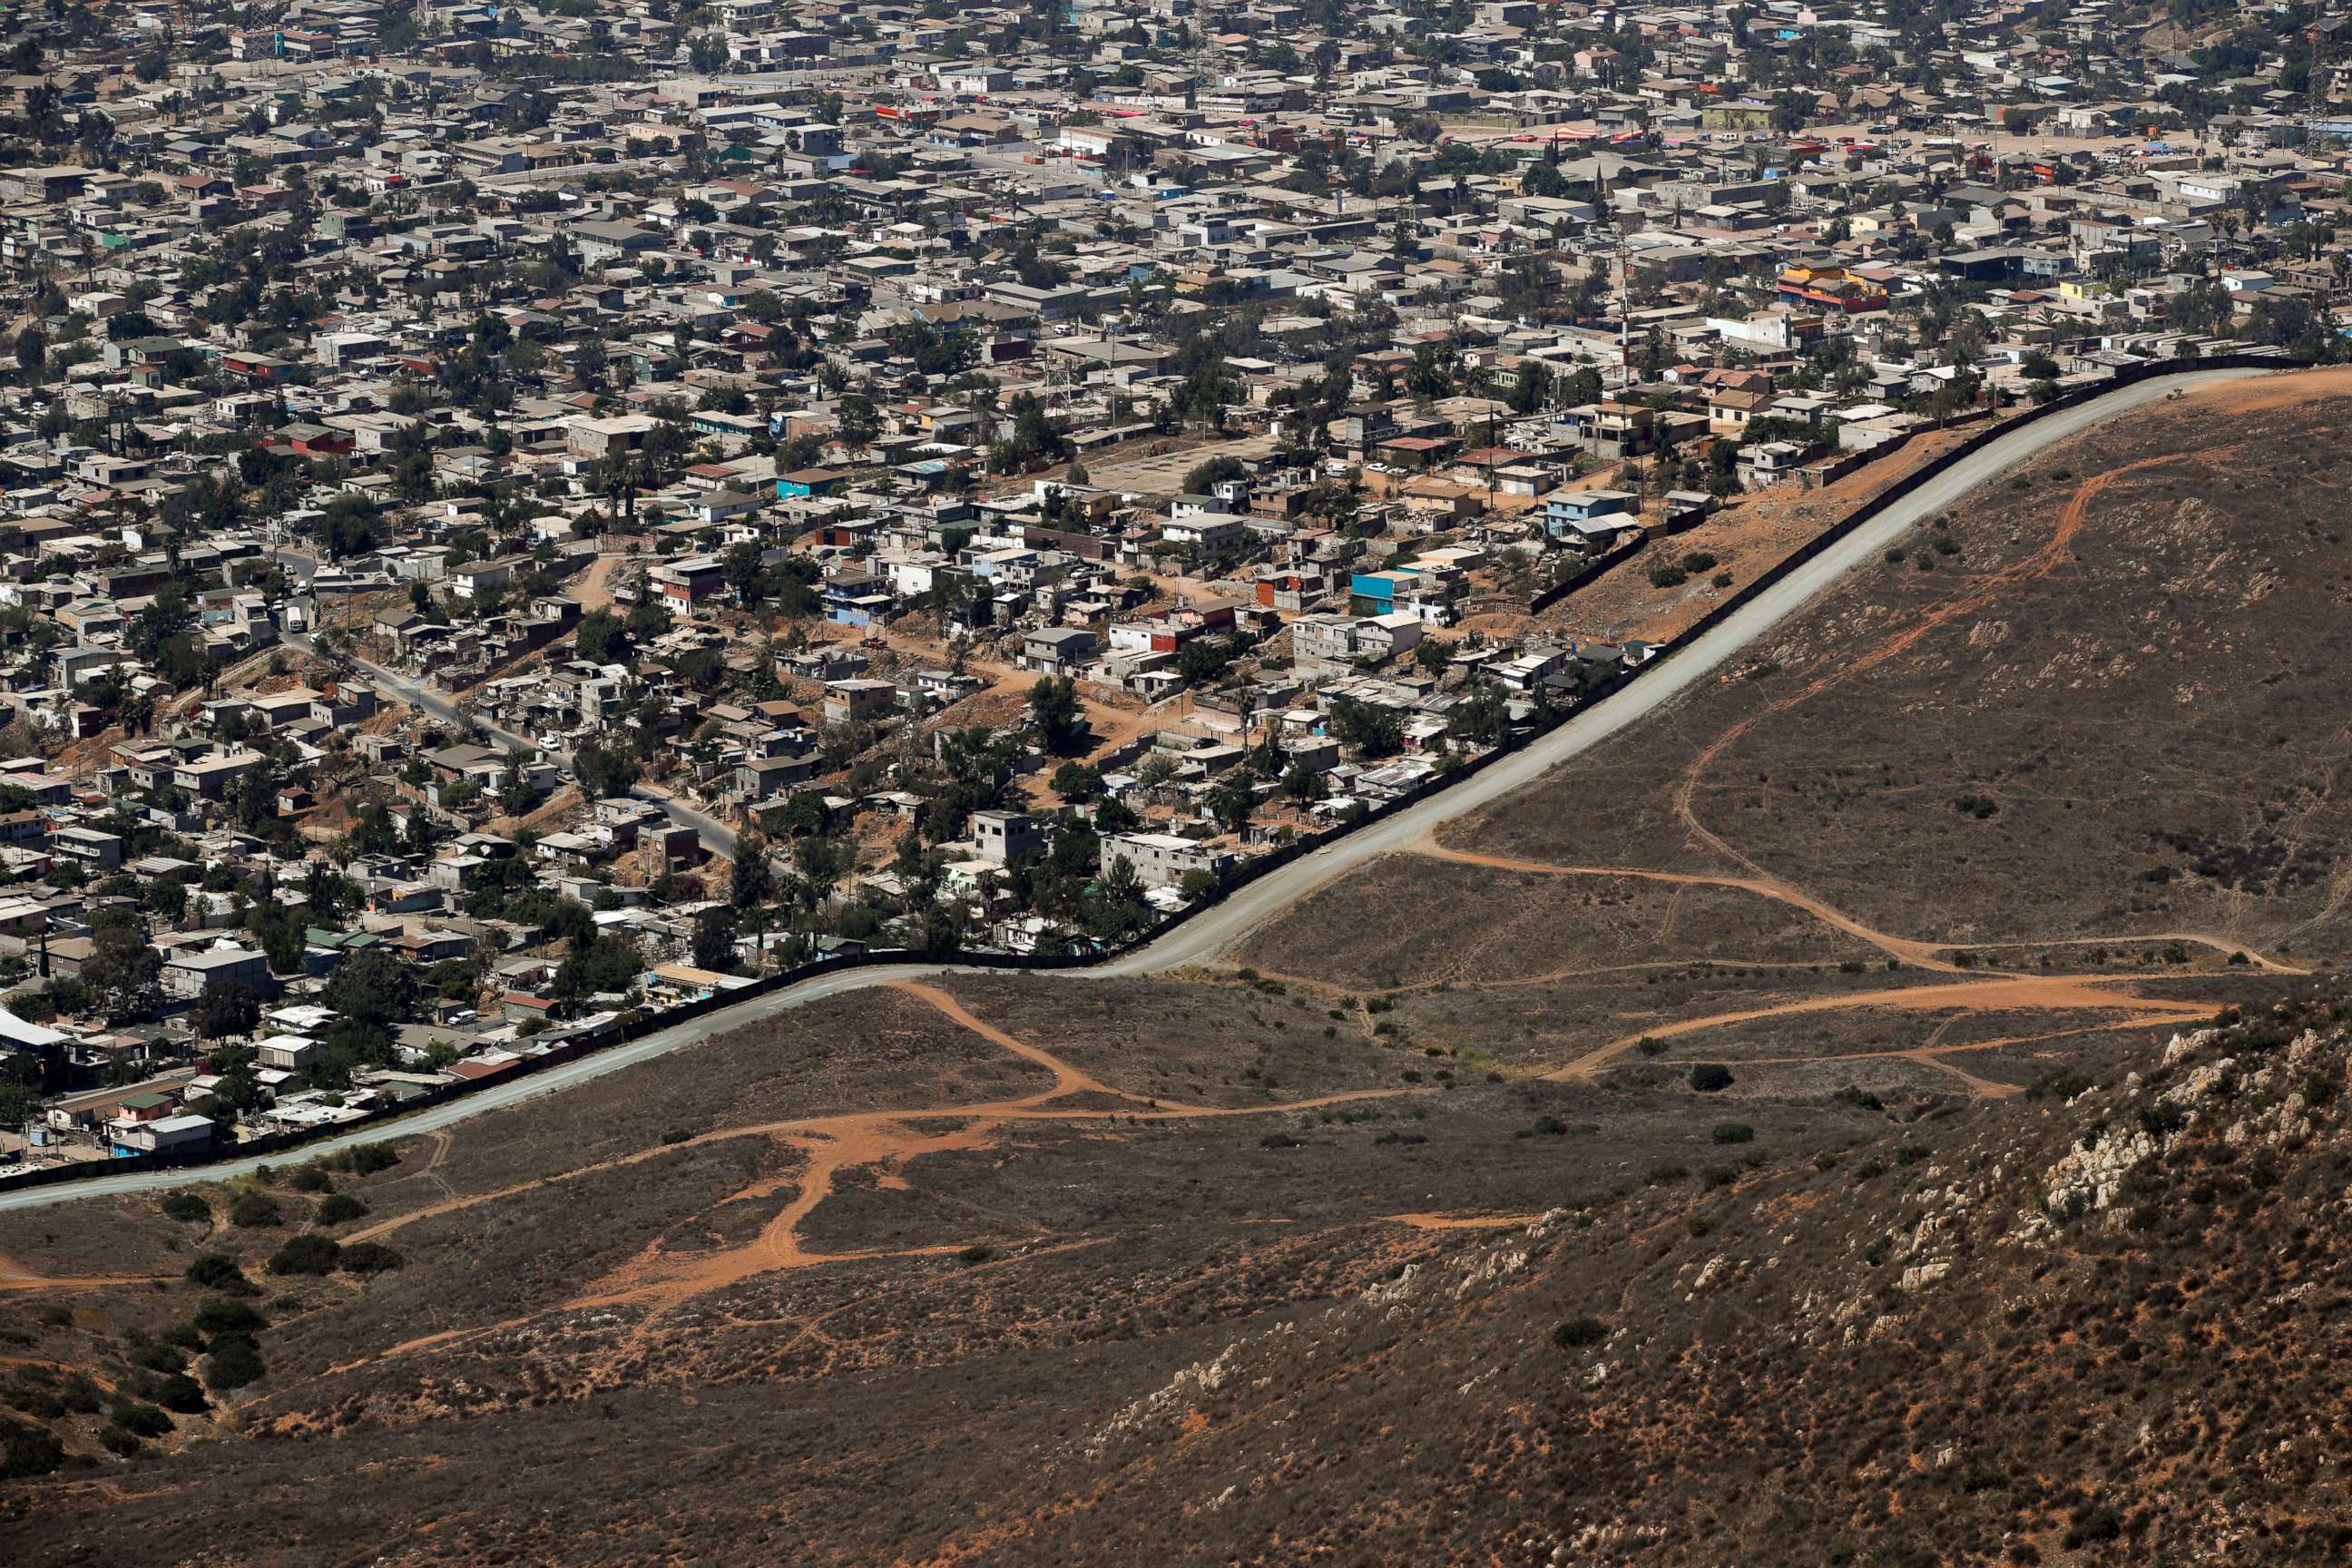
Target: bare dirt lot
(1161,472)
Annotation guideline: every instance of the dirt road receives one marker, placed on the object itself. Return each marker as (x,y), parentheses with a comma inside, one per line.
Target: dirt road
(830,1146)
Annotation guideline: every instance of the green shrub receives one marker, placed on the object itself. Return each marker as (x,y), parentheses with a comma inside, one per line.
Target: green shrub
(365,1160)
(160,1357)
(1710,1078)
(214,1319)
(187,1208)
(234,1363)
(255,1211)
(1576,1333)
(1977,1477)
(368,1258)
(178,1392)
(339,1208)
(1734,1132)
(142,1420)
(212,1271)
(309,1253)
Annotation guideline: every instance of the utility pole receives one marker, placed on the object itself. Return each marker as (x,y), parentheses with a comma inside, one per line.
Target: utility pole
(1625,317)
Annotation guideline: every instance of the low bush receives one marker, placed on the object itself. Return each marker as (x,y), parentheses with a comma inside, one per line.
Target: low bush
(368,1258)
(255,1211)
(214,1319)
(234,1362)
(212,1271)
(309,1253)
(142,1420)
(1578,1332)
(339,1208)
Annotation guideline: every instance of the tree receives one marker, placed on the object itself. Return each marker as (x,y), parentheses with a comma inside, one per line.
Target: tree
(754,882)
(31,353)
(238,1089)
(281,930)
(714,940)
(1232,798)
(372,988)
(822,862)
(601,638)
(1375,732)
(741,568)
(350,524)
(857,421)
(1054,708)
(1530,386)
(1077,781)
(604,771)
(1207,476)
(227,1008)
(122,969)
(1710,1078)
(707,52)
(1483,718)
(609,963)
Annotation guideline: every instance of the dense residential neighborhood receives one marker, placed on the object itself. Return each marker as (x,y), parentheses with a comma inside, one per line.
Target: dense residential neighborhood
(514,520)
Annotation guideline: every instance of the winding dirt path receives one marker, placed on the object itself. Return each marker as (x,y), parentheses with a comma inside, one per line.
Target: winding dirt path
(2008,993)
(1987,588)
(1925,954)
(663,1280)
(14,1277)
(1910,950)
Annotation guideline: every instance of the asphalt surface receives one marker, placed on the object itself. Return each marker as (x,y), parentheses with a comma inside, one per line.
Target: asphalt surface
(1208,936)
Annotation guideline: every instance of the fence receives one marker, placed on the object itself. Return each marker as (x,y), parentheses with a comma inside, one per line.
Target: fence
(643,1025)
